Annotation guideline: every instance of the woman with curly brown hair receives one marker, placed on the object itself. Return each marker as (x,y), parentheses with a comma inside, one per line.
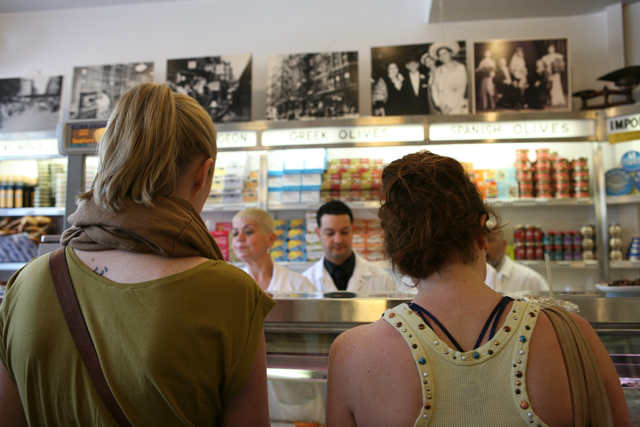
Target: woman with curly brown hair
(460,353)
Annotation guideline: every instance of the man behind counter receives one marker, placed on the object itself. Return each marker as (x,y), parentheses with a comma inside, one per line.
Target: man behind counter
(512,277)
(341,268)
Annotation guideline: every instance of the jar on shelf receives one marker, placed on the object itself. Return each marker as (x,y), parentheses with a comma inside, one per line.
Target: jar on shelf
(587,230)
(522,154)
(615,230)
(615,255)
(568,239)
(561,164)
(530,251)
(521,165)
(528,233)
(588,255)
(587,244)
(524,175)
(518,233)
(559,238)
(615,243)
(542,154)
(539,251)
(520,251)
(542,166)
(547,238)
(537,233)
(581,163)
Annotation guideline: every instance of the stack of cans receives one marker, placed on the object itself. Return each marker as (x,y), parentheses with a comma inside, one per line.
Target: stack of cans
(42,197)
(528,242)
(634,249)
(588,233)
(615,242)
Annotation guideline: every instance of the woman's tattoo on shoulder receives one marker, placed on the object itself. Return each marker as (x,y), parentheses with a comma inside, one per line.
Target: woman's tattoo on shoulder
(104,270)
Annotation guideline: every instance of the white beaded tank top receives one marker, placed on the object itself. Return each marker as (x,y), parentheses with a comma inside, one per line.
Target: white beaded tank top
(486,386)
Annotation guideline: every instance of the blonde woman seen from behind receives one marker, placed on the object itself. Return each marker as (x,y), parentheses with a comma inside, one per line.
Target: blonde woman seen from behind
(253,236)
(178,331)
(460,354)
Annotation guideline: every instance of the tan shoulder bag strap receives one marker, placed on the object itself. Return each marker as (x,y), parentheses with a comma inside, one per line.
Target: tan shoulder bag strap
(80,333)
(588,394)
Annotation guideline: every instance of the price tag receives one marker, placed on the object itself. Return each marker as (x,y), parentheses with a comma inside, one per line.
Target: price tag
(507,202)
(591,264)
(313,206)
(584,200)
(4,212)
(357,204)
(542,201)
(564,264)
(30,212)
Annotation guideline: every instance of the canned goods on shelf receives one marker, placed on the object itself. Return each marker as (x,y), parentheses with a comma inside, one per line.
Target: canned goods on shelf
(615,255)
(588,255)
(563,195)
(615,230)
(522,154)
(587,243)
(522,165)
(615,243)
(542,154)
(542,166)
(587,230)
(580,162)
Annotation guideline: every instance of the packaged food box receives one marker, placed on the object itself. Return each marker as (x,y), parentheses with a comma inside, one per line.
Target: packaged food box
(297,256)
(297,223)
(281,224)
(279,245)
(279,256)
(296,233)
(296,245)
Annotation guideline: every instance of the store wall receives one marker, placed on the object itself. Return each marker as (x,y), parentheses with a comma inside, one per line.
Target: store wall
(53,42)
(632,33)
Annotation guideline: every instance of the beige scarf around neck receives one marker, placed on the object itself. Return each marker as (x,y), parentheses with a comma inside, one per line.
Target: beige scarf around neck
(172,228)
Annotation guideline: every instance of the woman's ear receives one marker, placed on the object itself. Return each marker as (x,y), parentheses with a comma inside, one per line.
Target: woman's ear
(203,172)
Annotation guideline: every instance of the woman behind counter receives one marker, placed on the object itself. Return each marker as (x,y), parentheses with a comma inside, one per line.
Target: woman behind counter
(409,369)
(254,234)
(177,330)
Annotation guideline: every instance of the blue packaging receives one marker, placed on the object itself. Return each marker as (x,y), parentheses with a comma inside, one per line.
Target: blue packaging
(618,182)
(631,161)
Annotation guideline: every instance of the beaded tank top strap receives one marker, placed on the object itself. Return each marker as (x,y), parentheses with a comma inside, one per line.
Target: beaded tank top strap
(503,304)
(422,312)
(495,314)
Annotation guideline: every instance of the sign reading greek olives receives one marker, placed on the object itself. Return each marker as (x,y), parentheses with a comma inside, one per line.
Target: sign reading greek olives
(623,128)
(529,129)
(345,134)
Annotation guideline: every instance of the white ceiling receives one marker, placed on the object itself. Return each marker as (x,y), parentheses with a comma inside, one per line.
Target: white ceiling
(477,10)
(453,10)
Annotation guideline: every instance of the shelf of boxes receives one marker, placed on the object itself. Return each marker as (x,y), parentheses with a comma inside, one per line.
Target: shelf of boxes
(11,266)
(538,201)
(227,207)
(32,212)
(623,200)
(624,264)
(588,264)
(316,206)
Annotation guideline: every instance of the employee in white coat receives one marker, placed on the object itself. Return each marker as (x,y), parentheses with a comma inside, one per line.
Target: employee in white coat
(512,277)
(253,235)
(341,268)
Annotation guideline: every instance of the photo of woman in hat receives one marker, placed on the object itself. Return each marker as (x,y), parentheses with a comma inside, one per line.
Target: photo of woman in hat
(450,79)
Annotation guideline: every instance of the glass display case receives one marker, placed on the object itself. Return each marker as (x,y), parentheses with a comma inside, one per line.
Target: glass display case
(300,329)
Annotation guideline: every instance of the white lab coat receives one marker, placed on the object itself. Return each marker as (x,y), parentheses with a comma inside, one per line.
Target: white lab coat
(514,277)
(366,277)
(285,280)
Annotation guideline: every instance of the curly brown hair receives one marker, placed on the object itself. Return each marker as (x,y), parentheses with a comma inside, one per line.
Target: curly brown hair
(430,214)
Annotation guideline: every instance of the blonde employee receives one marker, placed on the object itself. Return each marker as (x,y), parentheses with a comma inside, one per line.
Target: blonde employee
(253,235)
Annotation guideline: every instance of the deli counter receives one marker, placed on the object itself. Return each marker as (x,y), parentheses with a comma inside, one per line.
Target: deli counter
(301,327)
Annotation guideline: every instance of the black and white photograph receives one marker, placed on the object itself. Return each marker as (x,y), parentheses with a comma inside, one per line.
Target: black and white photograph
(30,104)
(522,75)
(97,88)
(312,86)
(221,84)
(429,78)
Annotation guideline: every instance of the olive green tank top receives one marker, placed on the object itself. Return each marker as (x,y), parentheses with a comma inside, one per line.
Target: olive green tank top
(486,386)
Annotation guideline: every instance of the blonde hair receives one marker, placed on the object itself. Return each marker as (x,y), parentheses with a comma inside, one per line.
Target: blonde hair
(261,217)
(152,136)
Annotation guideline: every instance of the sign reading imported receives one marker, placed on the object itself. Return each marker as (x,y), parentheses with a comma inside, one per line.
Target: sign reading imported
(623,128)
(342,135)
(529,129)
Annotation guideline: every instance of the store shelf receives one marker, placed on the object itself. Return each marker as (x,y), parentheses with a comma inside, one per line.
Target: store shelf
(227,207)
(624,264)
(316,206)
(11,266)
(583,201)
(623,200)
(32,211)
(589,264)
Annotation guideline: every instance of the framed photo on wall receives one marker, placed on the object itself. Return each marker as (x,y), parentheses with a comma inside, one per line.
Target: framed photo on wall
(522,75)
(97,88)
(30,104)
(429,78)
(220,84)
(311,86)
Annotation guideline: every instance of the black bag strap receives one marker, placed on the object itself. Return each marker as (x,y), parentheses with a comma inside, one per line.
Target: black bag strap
(80,333)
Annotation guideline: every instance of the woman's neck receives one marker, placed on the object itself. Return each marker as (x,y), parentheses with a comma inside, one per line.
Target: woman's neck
(261,269)
(454,280)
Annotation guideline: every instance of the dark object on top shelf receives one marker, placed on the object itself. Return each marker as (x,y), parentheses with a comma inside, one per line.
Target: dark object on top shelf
(626,80)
